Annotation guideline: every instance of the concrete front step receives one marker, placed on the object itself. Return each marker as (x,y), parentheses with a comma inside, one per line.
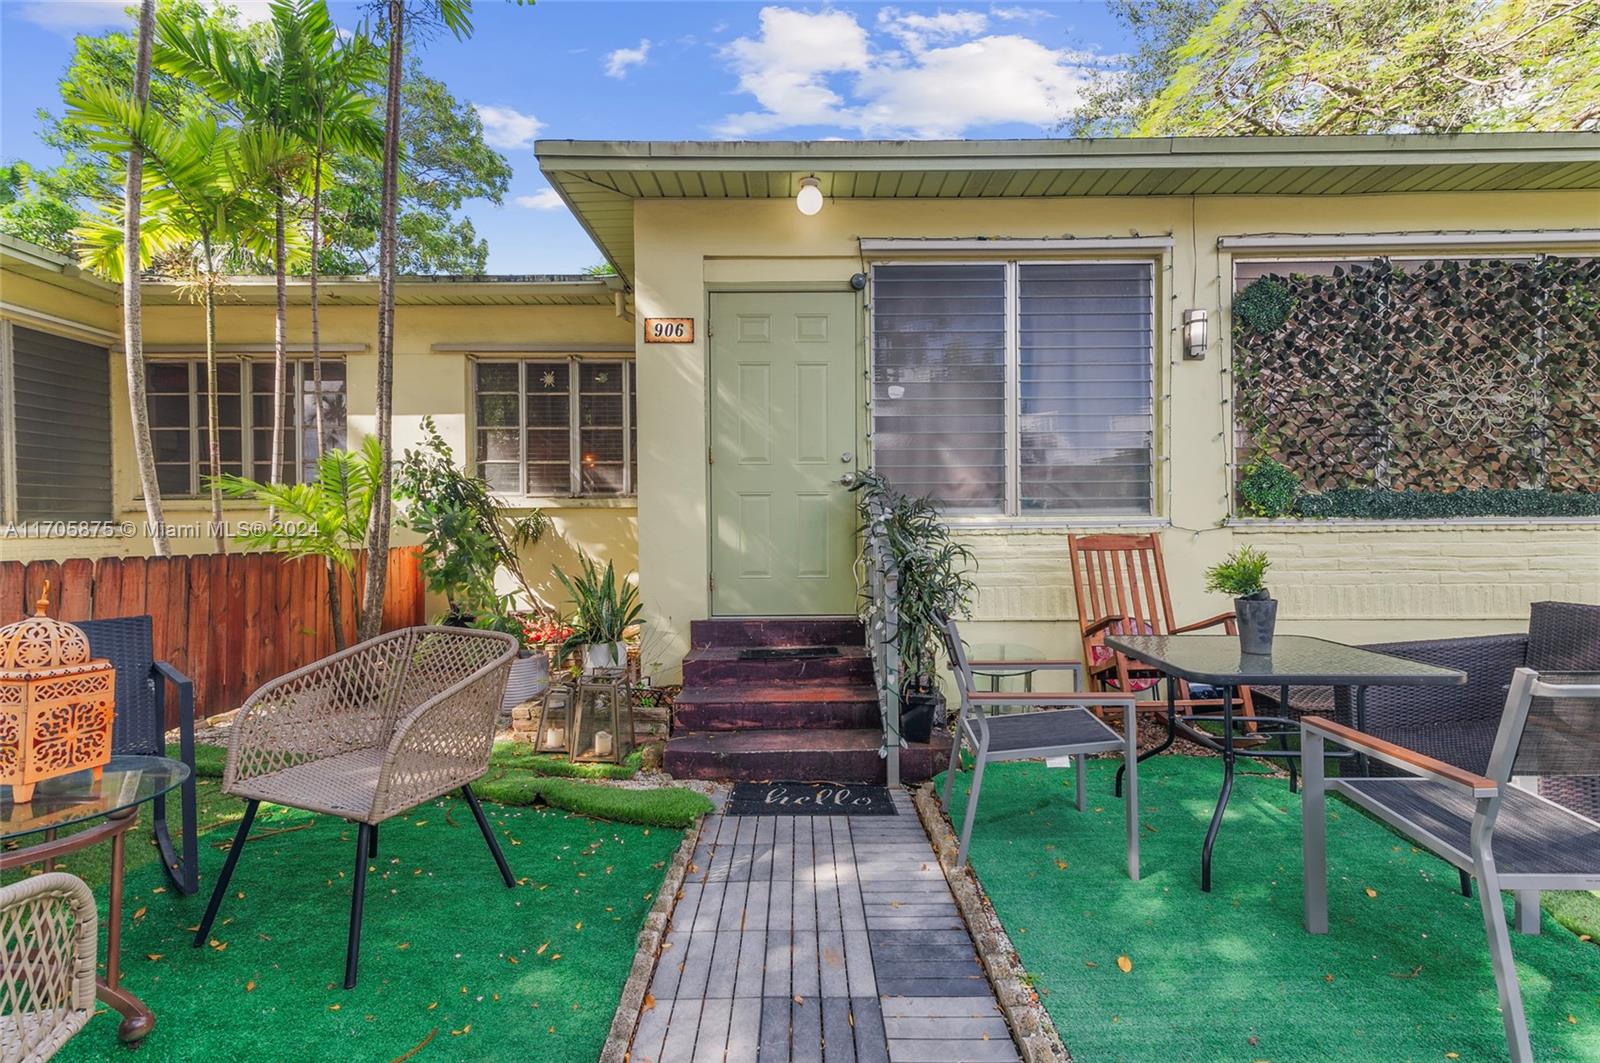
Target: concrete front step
(739,706)
(721,665)
(800,754)
(777,631)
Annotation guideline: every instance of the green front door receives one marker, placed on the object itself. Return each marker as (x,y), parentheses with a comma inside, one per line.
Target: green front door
(783,442)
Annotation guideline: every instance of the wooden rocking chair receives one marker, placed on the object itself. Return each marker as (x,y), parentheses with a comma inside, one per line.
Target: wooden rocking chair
(1121,586)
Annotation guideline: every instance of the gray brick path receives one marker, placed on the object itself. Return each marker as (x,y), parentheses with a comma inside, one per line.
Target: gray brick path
(827,939)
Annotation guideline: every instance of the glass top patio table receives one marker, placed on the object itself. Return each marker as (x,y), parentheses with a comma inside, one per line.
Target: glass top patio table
(67,800)
(1295,660)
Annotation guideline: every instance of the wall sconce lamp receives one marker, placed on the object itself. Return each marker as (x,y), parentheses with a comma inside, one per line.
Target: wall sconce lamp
(1194,334)
(809,198)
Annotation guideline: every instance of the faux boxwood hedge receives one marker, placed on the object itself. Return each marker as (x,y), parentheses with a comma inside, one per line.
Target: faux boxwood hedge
(1421,505)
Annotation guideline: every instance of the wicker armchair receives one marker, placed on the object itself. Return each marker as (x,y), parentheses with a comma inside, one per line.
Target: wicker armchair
(367,734)
(48,935)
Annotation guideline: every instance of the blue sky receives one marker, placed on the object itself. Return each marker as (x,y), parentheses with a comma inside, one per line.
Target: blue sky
(662,70)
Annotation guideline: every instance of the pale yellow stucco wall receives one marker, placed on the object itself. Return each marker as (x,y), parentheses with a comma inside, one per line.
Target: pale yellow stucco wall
(1366,583)
(427,382)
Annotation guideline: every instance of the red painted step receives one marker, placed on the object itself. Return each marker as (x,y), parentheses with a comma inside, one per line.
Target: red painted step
(714,665)
(801,754)
(780,631)
(741,706)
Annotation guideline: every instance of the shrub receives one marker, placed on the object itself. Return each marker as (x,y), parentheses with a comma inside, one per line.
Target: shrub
(1242,574)
(1264,304)
(1268,488)
(1438,505)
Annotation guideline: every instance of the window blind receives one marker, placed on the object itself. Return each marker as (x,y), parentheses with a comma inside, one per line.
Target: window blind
(939,382)
(1084,434)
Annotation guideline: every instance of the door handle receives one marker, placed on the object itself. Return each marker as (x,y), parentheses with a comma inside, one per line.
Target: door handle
(847,480)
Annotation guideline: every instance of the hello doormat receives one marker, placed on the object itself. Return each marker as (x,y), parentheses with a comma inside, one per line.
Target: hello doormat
(808,799)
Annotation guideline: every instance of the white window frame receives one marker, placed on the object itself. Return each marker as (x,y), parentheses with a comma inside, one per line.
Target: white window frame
(247,426)
(574,447)
(1011,511)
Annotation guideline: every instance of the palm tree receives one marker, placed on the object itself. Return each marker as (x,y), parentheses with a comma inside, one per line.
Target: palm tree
(256,89)
(326,518)
(330,77)
(202,206)
(132,302)
(456,15)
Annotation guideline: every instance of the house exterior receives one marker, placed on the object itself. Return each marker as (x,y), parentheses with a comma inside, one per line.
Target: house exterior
(998,323)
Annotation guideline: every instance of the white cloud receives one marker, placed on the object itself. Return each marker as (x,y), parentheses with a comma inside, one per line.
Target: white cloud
(1020,14)
(786,68)
(926,76)
(544,199)
(916,31)
(506,127)
(71,17)
(618,62)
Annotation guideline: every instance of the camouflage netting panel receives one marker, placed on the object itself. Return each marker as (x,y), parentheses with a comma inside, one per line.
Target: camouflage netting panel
(1446,375)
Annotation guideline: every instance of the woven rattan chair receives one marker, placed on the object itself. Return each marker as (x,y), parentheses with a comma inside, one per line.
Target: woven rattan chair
(1458,724)
(1064,727)
(141,727)
(1504,836)
(367,734)
(48,935)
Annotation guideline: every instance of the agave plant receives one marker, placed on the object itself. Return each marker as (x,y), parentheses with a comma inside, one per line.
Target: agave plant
(605,607)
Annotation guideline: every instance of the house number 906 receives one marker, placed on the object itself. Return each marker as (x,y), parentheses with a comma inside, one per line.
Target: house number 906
(669,330)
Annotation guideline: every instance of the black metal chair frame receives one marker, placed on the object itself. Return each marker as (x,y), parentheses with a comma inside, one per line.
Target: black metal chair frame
(141,727)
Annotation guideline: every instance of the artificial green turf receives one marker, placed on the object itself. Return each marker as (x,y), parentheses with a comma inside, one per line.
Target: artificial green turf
(522,755)
(1231,975)
(531,973)
(665,807)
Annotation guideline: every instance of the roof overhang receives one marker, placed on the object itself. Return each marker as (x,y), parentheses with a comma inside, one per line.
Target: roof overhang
(51,267)
(491,290)
(600,180)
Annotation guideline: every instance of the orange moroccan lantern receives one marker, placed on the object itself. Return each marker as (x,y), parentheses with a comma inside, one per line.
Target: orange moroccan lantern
(56,703)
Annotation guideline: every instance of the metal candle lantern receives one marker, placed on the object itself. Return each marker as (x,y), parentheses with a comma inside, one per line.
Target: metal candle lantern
(555,719)
(603,726)
(56,703)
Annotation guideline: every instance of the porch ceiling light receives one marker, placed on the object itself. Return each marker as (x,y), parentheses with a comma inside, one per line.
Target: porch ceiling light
(1194,334)
(809,198)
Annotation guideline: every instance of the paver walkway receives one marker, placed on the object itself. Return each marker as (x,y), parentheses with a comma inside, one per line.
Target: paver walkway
(826,939)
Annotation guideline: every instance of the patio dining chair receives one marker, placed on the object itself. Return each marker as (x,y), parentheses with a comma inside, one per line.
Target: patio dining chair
(1120,582)
(141,728)
(1506,837)
(48,936)
(368,734)
(1063,727)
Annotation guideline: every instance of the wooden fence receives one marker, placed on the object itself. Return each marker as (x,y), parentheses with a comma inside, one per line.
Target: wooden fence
(228,621)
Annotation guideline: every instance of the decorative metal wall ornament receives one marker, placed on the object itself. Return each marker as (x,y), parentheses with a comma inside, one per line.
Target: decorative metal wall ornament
(1471,374)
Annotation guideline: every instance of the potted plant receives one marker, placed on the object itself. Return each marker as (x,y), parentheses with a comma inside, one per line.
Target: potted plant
(932,569)
(1242,574)
(604,609)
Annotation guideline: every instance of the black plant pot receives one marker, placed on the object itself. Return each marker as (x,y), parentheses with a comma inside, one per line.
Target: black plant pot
(1258,617)
(919,710)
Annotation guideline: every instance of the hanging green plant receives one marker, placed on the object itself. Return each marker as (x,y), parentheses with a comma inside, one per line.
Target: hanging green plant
(1264,304)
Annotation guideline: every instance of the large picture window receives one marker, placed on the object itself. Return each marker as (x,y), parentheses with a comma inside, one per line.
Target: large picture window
(557,427)
(1016,388)
(176,397)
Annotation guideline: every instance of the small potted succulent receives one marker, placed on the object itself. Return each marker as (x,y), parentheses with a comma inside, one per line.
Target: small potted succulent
(605,608)
(1242,574)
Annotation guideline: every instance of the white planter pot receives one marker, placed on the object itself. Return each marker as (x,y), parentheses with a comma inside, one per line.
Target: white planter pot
(530,677)
(597,655)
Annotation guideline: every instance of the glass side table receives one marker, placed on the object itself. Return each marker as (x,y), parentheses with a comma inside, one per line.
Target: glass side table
(110,807)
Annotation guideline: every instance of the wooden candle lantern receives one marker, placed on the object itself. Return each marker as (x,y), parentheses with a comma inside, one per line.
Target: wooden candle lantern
(56,702)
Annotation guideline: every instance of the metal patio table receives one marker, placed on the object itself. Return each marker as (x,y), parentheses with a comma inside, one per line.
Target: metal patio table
(125,783)
(1295,661)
